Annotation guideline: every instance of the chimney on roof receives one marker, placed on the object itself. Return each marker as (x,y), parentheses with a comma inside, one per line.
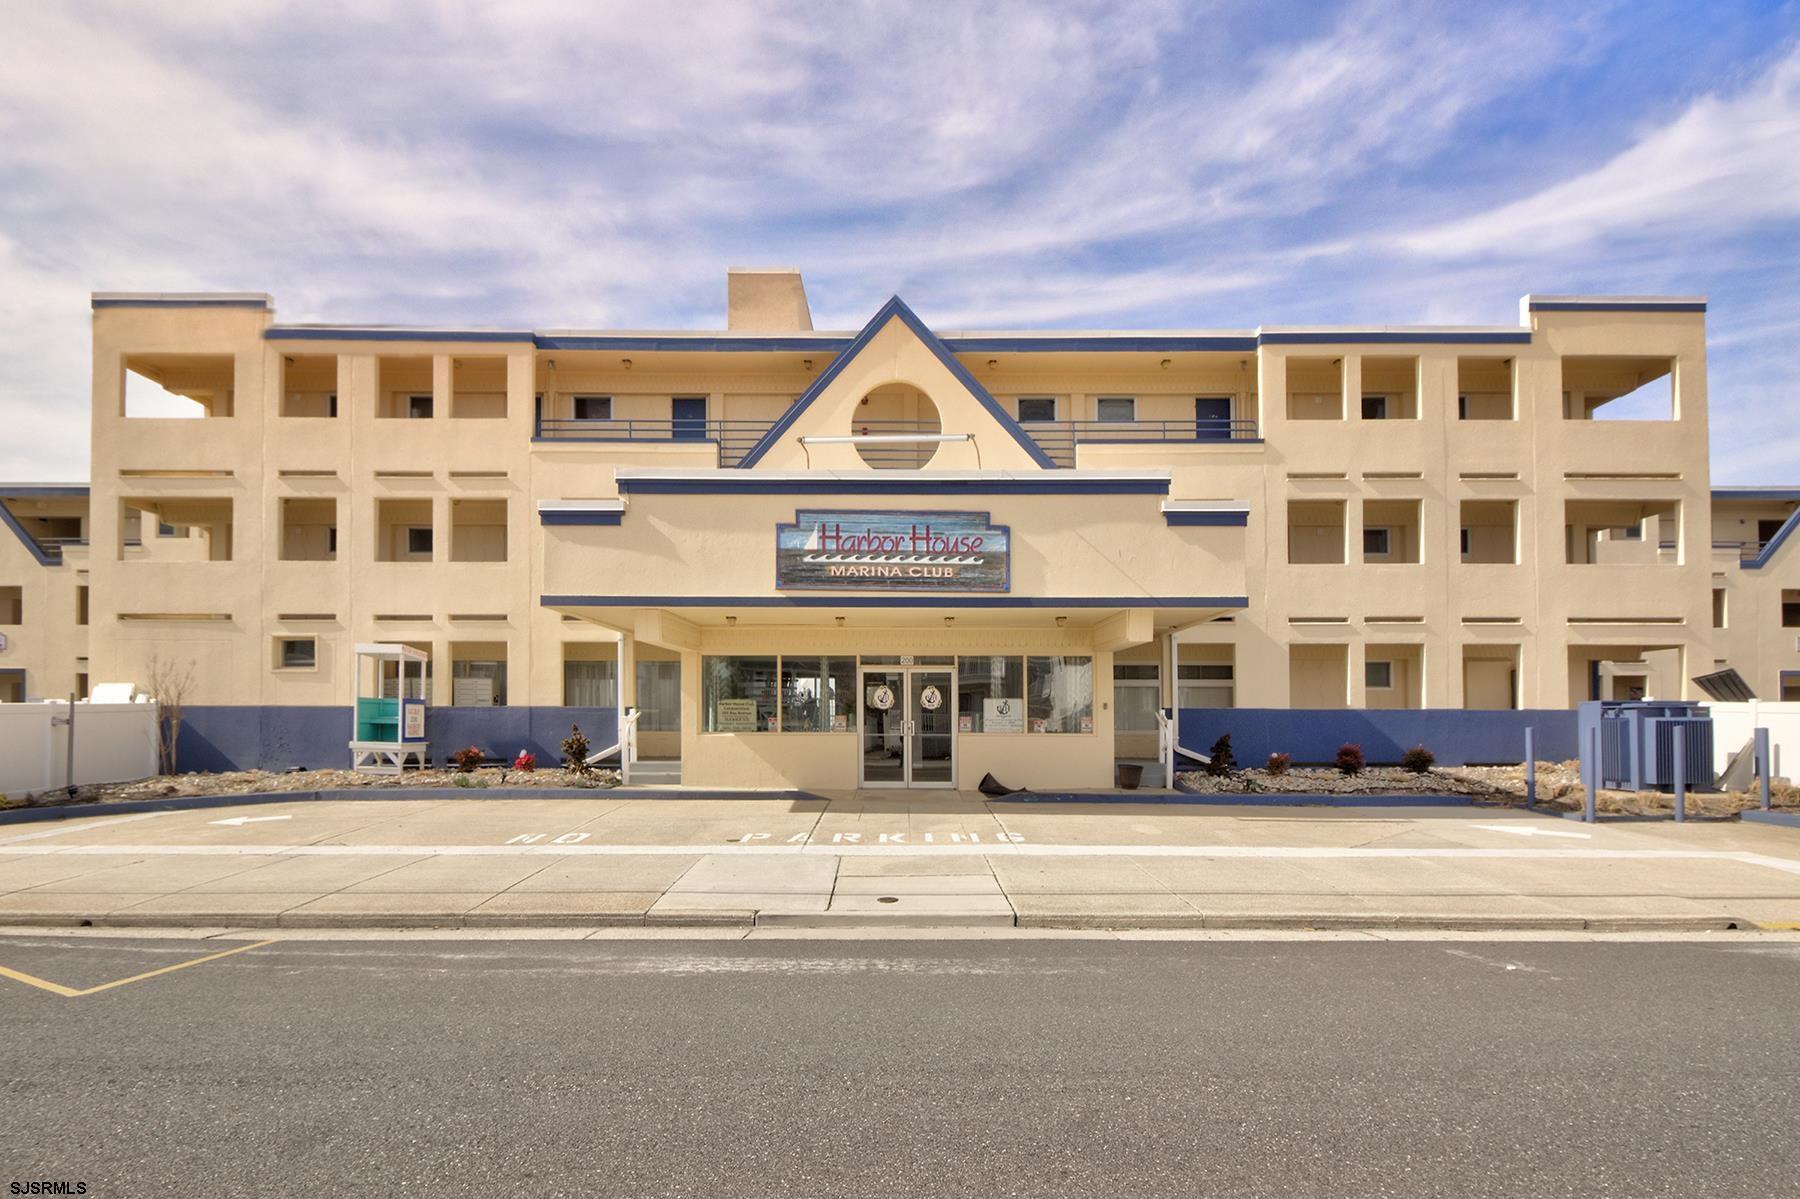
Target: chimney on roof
(766,300)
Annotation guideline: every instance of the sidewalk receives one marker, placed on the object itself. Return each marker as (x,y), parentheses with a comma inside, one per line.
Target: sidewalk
(856,861)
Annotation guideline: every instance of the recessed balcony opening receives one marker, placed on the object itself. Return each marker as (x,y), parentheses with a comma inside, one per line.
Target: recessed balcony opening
(1315,389)
(1391,531)
(1390,389)
(12,605)
(1600,388)
(178,386)
(309,530)
(1490,677)
(404,389)
(403,531)
(1394,676)
(1319,676)
(1624,672)
(1621,532)
(477,530)
(309,386)
(478,389)
(1484,389)
(165,529)
(1315,532)
(1490,532)
(896,411)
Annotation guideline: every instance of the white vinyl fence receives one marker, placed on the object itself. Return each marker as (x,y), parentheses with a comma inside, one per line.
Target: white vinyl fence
(113,743)
(1733,725)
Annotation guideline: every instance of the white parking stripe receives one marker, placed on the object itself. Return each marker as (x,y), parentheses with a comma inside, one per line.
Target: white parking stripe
(78,828)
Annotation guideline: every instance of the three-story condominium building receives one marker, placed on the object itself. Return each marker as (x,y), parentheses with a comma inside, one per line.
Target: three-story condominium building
(899,555)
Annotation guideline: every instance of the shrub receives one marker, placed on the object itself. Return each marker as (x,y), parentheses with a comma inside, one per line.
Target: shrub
(467,759)
(463,780)
(1418,759)
(1350,758)
(526,762)
(1222,762)
(575,751)
(1279,763)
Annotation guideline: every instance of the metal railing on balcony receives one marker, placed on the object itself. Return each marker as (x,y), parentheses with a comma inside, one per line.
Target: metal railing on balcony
(735,438)
(1058,439)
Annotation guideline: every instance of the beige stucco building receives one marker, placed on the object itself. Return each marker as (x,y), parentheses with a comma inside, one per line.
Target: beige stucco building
(1024,543)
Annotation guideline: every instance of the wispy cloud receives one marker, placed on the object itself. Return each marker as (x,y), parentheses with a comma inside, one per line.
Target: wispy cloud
(1091,162)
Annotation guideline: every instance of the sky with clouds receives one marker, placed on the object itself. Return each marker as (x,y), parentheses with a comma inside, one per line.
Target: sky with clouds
(1112,164)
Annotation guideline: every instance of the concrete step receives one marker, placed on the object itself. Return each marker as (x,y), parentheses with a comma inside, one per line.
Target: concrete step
(656,771)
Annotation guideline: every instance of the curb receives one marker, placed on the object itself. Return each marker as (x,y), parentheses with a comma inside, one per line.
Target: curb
(1240,921)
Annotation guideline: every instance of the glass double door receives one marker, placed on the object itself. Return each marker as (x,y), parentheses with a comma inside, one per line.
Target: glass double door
(908,727)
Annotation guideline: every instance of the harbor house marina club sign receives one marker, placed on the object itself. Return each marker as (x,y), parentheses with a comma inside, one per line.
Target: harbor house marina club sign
(896,551)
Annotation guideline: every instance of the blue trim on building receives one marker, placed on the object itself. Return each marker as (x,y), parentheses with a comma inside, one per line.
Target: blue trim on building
(1615,306)
(1049,484)
(894,309)
(1756,493)
(1774,543)
(1207,519)
(1146,343)
(1459,737)
(45,491)
(581,518)
(26,539)
(307,333)
(722,343)
(1396,338)
(892,601)
(197,302)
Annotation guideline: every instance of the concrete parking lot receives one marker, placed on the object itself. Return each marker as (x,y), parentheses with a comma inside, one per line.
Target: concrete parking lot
(859,860)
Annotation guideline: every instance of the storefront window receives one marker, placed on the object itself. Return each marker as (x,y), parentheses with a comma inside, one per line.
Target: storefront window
(991,695)
(590,684)
(818,695)
(1059,695)
(738,694)
(659,697)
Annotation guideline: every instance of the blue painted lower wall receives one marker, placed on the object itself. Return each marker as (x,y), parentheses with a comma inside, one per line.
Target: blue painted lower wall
(278,738)
(1457,737)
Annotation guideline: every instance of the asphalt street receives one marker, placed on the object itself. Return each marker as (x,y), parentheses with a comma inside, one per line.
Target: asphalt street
(915,1068)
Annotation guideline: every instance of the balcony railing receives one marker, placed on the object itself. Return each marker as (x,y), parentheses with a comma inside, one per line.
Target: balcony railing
(1058,439)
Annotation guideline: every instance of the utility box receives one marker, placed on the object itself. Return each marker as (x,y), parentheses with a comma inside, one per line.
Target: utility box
(1637,742)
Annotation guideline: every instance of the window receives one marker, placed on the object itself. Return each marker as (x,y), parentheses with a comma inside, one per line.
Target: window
(1115,408)
(1059,695)
(418,541)
(593,407)
(81,604)
(298,653)
(818,695)
(1629,533)
(1036,409)
(1462,407)
(1206,684)
(990,693)
(659,697)
(1374,407)
(1718,608)
(1790,686)
(1378,675)
(590,684)
(12,605)
(1790,609)
(1376,542)
(418,407)
(1137,694)
(478,682)
(1463,542)
(739,694)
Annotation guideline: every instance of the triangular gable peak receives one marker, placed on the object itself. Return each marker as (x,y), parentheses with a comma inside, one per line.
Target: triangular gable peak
(896,380)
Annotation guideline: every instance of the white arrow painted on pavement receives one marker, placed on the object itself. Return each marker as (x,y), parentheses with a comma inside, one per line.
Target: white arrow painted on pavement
(1528,831)
(249,819)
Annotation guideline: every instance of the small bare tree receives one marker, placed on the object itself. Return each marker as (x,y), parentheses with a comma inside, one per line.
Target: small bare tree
(168,683)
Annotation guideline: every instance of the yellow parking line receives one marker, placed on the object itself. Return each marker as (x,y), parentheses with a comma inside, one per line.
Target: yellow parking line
(1774,926)
(70,993)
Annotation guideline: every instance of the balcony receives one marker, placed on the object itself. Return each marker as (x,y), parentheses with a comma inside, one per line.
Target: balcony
(1058,439)
(735,438)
